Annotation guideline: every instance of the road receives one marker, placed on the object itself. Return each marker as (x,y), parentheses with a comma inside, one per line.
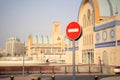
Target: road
(81,77)
(59,77)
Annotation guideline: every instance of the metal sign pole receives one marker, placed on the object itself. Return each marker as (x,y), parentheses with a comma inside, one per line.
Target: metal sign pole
(73,59)
(23,60)
(73,31)
(23,64)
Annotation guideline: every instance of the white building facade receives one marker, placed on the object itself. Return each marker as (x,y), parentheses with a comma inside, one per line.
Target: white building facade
(14,47)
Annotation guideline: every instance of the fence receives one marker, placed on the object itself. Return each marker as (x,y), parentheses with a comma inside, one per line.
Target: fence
(56,69)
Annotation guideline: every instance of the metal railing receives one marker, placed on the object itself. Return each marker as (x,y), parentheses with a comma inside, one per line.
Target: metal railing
(56,69)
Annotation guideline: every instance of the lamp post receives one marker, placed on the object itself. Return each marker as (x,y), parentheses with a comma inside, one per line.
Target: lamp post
(23,64)
(23,58)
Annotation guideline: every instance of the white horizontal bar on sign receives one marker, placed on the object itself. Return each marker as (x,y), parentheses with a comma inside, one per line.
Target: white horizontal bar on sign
(73,30)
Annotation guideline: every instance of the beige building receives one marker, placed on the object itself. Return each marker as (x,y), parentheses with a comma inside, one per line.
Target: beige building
(14,47)
(50,47)
(100,40)
(69,51)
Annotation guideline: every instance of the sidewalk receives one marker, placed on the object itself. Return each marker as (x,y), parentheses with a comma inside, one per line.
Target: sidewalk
(17,78)
(112,78)
(27,77)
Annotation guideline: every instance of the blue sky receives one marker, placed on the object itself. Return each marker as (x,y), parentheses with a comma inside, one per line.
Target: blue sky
(19,18)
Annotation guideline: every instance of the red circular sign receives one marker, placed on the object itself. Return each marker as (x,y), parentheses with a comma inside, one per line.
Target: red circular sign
(73,31)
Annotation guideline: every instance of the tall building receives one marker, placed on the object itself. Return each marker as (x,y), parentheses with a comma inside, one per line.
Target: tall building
(100,41)
(14,47)
(50,47)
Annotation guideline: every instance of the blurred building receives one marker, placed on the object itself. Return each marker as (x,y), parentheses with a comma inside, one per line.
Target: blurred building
(2,52)
(100,41)
(14,47)
(50,47)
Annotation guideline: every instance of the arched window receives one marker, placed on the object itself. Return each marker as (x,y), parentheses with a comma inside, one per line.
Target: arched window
(91,18)
(88,17)
(84,21)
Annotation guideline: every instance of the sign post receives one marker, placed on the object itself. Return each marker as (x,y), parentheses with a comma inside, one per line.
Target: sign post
(73,60)
(73,32)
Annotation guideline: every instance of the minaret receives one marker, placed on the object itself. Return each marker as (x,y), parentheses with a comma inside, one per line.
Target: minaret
(56,27)
(29,45)
(30,40)
(56,31)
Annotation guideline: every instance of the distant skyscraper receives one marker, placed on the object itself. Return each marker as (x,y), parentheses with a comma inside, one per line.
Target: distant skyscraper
(14,46)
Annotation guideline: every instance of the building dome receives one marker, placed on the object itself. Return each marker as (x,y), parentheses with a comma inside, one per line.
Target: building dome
(109,7)
(40,39)
(99,9)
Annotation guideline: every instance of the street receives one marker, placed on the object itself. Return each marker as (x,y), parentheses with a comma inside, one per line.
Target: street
(81,77)
(58,77)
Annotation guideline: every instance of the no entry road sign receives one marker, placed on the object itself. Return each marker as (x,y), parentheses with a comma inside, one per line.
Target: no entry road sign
(73,31)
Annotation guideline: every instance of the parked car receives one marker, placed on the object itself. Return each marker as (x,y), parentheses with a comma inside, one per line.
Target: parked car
(53,61)
(117,70)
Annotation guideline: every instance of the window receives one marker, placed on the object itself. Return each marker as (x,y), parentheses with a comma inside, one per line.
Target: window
(88,56)
(84,21)
(93,19)
(104,35)
(112,34)
(97,36)
(88,14)
(88,17)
